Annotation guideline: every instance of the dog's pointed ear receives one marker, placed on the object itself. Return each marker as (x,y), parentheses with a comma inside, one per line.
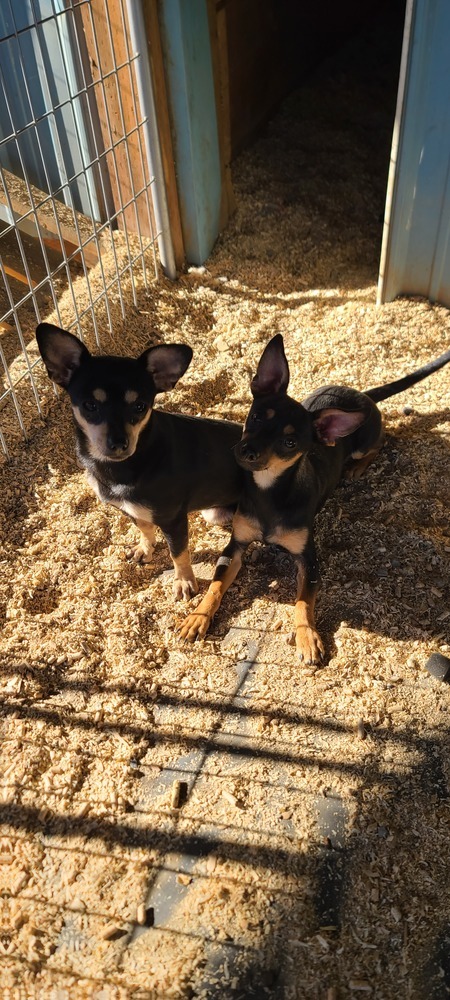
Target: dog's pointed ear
(272,374)
(166,364)
(61,352)
(332,424)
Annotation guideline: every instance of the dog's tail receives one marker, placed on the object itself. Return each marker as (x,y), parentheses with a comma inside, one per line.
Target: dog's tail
(384,391)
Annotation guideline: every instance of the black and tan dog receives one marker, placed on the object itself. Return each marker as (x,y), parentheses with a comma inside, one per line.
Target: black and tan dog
(154,466)
(293,456)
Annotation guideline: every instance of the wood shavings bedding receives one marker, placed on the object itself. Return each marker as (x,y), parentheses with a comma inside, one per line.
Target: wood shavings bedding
(102,709)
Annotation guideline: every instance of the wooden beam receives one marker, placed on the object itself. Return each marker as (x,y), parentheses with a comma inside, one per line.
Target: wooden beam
(18,276)
(151,18)
(33,225)
(7,328)
(219,54)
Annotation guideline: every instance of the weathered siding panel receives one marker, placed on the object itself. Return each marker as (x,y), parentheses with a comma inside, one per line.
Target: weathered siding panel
(415,254)
(187,52)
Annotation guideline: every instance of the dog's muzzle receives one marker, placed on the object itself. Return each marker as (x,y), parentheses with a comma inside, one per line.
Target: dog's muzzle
(248,456)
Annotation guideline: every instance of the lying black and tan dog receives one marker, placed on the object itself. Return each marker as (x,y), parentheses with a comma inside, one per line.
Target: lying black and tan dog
(154,466)
(293,455)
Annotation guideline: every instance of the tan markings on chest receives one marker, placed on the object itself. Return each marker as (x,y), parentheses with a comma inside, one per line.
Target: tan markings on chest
(266,477)
(293,541)
(136,510)
(116,498)
(246,529)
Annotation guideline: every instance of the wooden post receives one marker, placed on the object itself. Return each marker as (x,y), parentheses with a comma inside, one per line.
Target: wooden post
(218,35)
(151,18)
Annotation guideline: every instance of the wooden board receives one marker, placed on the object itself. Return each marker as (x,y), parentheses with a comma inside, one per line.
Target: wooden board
(34,225)
(115,99)
(219,55)
(164,127)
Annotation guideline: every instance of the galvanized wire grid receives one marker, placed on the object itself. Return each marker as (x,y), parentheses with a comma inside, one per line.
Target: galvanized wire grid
(61,127)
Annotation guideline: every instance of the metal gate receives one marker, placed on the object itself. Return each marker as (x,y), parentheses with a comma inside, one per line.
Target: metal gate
(83,214)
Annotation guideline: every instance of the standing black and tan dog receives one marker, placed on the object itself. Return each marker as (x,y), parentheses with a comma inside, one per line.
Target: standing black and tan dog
(154,466)
(293,456)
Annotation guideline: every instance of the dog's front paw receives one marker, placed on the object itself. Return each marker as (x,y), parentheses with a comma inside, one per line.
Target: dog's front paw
(184,587)
(195,626)
(309,645)
(141,553)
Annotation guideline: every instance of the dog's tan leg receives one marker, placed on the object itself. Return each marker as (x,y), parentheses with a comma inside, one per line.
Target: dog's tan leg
(184,584)
(143,553)
(227,568)
(307,639)
(176,534)
(245,530)
(300,544)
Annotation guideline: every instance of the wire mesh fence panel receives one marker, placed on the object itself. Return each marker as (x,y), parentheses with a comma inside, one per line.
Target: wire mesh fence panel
(78,237)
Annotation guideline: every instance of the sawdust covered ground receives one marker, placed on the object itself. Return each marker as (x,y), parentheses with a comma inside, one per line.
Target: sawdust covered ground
(311,855)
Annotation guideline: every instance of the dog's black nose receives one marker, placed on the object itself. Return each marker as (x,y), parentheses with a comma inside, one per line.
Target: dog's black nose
(117,442)
(249,452)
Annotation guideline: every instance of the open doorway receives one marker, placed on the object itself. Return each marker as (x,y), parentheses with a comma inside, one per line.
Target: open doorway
(317,92)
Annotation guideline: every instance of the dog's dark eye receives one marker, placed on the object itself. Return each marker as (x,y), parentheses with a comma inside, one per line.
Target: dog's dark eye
(90,406)
(140,407)
(290,443)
